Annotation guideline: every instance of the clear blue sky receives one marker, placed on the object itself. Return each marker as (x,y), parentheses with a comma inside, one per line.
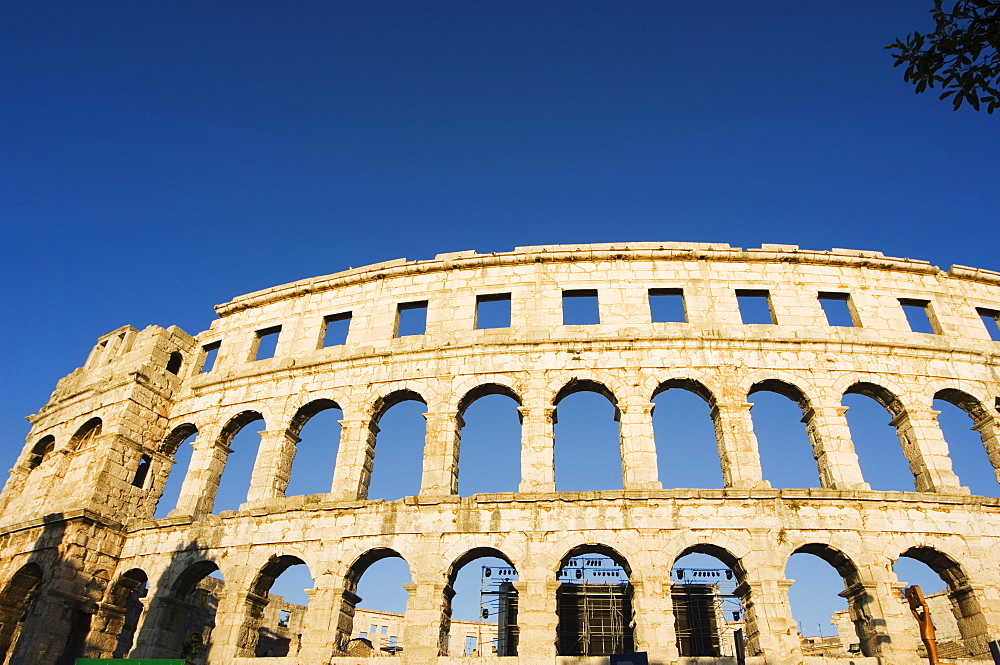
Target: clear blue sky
(159,158)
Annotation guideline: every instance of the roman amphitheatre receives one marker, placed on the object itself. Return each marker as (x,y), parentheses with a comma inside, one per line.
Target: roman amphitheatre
(86,569)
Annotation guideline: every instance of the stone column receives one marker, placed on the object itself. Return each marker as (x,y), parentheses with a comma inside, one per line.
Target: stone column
(236,626)
(770,627)
(537,448)
(925,448)
(883,612)
(655,630)
(273,466)
(638,446)
(833,448)
(737,446)
(988,427)
(422,622)
(355,459)
(441,446)
(197,494)
(320,632)
(344,603)
(536,616)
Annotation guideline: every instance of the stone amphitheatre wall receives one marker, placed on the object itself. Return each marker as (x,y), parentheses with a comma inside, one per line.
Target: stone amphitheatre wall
(77,533)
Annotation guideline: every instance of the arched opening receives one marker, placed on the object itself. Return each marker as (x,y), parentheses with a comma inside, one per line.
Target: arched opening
(244,443)
(316,426)
(588,453)
(174,362)
(276,609)
(182,616)
(712,605)
(973,440)
(687,450)
(480,606)
(15,601)
(786,454)
(490,433)
(955,610)
(123,606)
(374,626)
(832,610)
(872,413)
(179,446)
(86,435)
(40,451)
(594,603)
(398,431)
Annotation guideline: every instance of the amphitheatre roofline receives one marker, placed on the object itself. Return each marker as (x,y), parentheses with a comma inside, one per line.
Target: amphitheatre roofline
(599,251)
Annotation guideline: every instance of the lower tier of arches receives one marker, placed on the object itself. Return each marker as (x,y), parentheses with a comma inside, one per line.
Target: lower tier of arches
(144,606)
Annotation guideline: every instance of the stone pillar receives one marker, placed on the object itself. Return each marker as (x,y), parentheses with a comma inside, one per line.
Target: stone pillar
(833,448)
(422,622)
(355,459)
(886,614)
(237,621)
(988,427)
(770,627)
(737,446)
(273,466)
(441,446)
(160,630)
(653,609)
(344,603)
(537,448)
(536,616)
(320,632)
(197,494)
(925,448)
(638,446)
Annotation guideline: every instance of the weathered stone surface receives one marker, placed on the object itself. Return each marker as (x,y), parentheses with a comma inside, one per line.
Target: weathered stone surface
(77,536)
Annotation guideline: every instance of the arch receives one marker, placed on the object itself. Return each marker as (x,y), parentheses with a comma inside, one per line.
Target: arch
(684,425)
(576,385)
(15,601)
(489,456)
(86,434)
(787,451)
(697,591)
(878,393)
(965,604)
(40,451)
(988,429)
(584,601)
(484,389)
(123,607)
(386,402)
(691,385)
(784,389)
(350,599)
(874,446)
(253,627)
(236,423)
(501,606)
(307,411)
(174,362)
(863,610)
(176,437)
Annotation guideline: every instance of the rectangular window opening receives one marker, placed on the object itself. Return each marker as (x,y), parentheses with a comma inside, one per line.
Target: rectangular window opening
(411,318)
(284,616)
(362,634)
(991,319)
(580,307)
(839,309)
(667,306)
(142,471)
(211,355)
(393,640)
(385,629)
(267,343)
(335,329)
(493,311)
(373,629)
(755,306)
(918,314)
(470,644)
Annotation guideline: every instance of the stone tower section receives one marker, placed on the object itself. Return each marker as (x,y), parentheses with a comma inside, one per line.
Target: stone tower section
(86,569)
